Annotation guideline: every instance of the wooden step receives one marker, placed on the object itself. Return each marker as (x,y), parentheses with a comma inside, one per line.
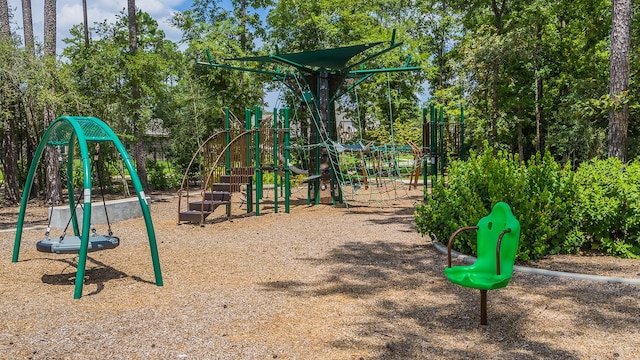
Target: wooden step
(207,205)
(193,216)
(222,187)
(217,195)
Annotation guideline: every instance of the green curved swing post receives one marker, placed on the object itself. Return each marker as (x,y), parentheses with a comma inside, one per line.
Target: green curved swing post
(85,130)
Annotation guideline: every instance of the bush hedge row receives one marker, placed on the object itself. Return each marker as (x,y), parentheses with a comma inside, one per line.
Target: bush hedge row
(560,210)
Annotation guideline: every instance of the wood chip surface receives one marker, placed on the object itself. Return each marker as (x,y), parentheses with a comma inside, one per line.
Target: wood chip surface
(321,282)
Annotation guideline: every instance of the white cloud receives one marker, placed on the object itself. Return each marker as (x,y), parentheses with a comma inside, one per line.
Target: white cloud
(70,13)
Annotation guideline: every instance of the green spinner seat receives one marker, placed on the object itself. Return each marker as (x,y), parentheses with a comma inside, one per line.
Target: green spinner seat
(498,235)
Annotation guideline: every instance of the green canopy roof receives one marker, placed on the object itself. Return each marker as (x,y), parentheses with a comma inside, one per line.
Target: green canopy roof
(60,131)
(330,59)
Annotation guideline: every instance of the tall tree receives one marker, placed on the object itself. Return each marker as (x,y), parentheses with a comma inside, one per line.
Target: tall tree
(619,78)
(50,27)
(53,186)
(8,111)
(245,22)
(27,24)
(85,21)
(29,103)
(138,130)
(5,28)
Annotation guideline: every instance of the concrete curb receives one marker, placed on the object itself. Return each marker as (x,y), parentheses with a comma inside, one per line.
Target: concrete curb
(40,227)
(528,270)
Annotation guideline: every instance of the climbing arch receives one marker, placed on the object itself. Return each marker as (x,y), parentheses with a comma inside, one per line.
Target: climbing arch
(69,131)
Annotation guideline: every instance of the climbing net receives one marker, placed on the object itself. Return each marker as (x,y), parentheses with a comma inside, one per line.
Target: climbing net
(365,173)
(370,173)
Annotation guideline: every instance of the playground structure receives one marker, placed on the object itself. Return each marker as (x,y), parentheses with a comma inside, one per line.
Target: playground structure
(230,159)
(66,131)
(320,78)
(237,158)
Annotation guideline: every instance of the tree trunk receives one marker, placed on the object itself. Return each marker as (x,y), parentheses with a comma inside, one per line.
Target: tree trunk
(5,28)
(53,186)
(243,37)
(9,159)
(539,114)
(138,133)
(27,23)
(86,23)
(10,163)
(539,96)
(619,81)
(495,74)
(50,28)
(520,134)
(28,102)
(498,10)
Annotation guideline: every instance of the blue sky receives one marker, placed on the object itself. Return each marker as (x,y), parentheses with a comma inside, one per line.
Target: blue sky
(70,13)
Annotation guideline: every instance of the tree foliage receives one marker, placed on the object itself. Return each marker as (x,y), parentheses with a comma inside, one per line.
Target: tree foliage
(531,75)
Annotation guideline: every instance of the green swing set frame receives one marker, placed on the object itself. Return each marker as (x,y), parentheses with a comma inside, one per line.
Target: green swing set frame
(66,131)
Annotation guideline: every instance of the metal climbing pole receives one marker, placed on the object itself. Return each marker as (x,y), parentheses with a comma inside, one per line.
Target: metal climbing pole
(287,161)
(227,153)
(257,116)
(442,158)
(275,160)
(247,126)
(463,155)
(441,140)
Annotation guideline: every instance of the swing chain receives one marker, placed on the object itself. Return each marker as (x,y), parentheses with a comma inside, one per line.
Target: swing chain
(52,200)
(96,158)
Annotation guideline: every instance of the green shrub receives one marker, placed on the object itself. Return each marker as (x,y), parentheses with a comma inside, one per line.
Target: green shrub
(547,213)
(541,194)
(609,193)
(161,177)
